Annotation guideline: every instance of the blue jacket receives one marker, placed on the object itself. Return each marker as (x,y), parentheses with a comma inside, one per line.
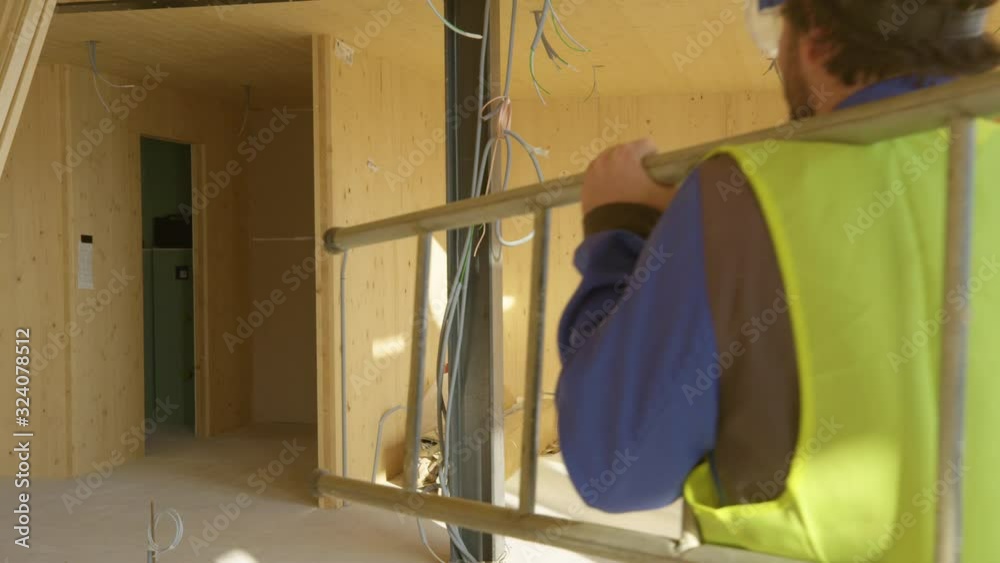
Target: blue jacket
(635,336)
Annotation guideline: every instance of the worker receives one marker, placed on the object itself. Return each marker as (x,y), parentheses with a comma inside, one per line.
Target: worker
(764,339)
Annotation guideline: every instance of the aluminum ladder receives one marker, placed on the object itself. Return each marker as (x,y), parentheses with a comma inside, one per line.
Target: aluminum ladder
(955,105)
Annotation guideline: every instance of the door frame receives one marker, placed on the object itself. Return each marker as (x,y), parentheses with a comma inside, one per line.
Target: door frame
(202,361)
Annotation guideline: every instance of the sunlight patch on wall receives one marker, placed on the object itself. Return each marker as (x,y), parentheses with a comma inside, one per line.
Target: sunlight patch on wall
(439,282)
(388,347)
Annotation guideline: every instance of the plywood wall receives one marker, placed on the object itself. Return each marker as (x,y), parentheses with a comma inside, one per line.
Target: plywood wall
(76,172)
(574,132)
(380,140)
(33,290)
(24,24)
(281,211)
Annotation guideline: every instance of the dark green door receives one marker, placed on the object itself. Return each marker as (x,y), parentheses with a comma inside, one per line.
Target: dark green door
(168,282)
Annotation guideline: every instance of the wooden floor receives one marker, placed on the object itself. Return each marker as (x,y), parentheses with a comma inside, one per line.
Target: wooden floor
(105,521)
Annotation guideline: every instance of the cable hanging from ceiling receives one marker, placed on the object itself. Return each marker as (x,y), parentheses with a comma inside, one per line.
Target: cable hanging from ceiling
(96,75)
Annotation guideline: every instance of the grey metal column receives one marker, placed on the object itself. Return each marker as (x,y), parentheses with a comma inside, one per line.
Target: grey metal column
(476,436)
(955,344)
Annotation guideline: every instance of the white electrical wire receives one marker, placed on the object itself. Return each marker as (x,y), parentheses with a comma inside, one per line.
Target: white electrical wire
(450,25)
(378,455)
(93,65)
(378,438)
(457,303)
(96,74)
(151,544)
(458,296)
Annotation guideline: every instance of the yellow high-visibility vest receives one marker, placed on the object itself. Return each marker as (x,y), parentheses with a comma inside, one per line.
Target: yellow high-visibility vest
(860,235)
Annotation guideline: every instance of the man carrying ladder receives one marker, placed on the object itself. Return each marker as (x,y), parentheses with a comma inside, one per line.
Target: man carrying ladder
(765,339)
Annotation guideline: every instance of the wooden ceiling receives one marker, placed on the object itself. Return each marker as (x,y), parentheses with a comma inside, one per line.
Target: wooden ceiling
(641,46)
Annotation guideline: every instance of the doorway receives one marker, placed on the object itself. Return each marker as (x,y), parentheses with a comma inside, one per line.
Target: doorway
(168,284)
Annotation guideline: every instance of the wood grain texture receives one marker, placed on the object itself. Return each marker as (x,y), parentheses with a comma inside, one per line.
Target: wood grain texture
(76,171)
(329,399)
(24,25)
(637,44)
(33,292)
(379,137)
(281,208)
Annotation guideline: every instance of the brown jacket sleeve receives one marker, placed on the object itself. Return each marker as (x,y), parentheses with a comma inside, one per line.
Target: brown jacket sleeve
(759,403)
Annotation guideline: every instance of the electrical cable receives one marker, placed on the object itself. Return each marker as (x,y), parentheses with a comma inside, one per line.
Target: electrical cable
(100,96)
(534,46)
(151,544)
(561,29)
(452,26)
(343,362)
(378,438)
(458,295)
(93,66)
(378,455)
(457,303)
(553,55)
(96,74)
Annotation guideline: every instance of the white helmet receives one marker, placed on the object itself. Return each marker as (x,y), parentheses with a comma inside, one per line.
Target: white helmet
(764,22)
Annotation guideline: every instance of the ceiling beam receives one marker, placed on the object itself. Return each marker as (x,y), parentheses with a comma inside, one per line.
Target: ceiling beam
(80,6)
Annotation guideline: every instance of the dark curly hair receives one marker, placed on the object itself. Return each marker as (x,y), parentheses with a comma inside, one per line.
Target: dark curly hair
(878,39)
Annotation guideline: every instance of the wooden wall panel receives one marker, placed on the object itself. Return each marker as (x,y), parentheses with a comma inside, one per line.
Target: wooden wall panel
(281,208)
(24,24)
(329,396)
(33,293)
(107,203)
(76,171)
(374,118)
